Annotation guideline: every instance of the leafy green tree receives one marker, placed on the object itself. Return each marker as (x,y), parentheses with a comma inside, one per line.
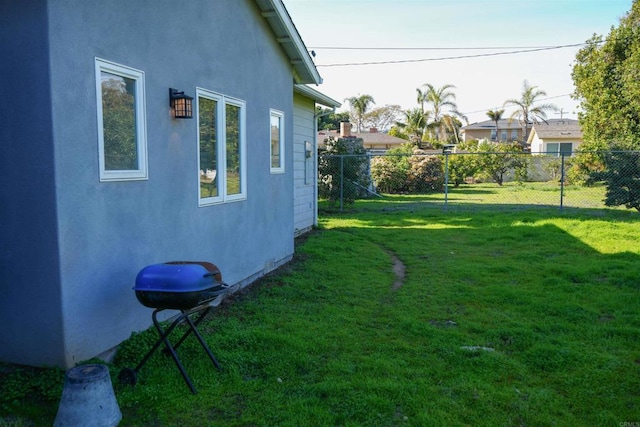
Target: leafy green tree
(622,175)
(399,132)
(343,169)
(495,160)
(496,116)
(528,109)
(607,84)
(383,117)
(332,120)
(461,166)
(359,107)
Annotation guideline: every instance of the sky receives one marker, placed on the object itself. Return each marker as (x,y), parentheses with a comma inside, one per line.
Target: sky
(396,46)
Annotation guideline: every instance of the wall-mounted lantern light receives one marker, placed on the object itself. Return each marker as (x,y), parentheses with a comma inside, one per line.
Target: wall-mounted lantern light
(182,104)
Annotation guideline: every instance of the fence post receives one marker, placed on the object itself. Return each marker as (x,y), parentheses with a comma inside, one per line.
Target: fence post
(562,174)
(341,181)
(446,179)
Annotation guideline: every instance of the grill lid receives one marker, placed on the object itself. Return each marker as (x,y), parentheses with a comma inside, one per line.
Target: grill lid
(178,276)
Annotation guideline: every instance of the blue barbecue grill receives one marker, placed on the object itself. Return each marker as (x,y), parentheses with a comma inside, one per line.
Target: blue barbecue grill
(191,287)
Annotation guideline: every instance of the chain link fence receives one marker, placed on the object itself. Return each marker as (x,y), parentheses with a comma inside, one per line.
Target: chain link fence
(471,180)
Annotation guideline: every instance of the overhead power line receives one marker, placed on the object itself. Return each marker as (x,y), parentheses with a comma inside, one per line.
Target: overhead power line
(537,101)
(427,48)
(479,55)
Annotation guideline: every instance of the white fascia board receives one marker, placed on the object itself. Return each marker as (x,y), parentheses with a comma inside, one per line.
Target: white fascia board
(318,97)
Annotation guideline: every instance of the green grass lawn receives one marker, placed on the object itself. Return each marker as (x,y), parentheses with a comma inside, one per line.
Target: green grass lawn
(502,318)
(484,196)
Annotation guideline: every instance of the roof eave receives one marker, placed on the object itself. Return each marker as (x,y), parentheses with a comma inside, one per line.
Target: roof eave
(276,15)
(318,97)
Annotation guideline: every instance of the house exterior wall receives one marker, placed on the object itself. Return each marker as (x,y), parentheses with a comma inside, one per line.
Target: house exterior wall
(30,297)
(304,168)
(471,134)
(88,238)
(536,145)
(539,146)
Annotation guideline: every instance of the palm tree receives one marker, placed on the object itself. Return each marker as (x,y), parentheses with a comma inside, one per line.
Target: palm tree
(496,116)
(421,98)
(359,106)
(441,100)
(527,112)
(452,124)
(415,123)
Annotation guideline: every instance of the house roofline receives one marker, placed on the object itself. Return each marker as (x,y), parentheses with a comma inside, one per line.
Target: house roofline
(276,15)
(490,124)
(318,97)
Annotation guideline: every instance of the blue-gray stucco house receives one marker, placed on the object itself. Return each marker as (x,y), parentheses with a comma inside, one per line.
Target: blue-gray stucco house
(99,178)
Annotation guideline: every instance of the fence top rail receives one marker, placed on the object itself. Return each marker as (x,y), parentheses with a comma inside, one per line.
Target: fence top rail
(473,153)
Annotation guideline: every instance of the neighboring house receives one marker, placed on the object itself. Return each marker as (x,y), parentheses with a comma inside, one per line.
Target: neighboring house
(100,178)
(555,137)
(373,141)
(507,131)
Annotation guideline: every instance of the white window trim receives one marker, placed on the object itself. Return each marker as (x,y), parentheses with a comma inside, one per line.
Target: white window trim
(280,167)
(221,174)
(243,150)
(141,122)
(220,153)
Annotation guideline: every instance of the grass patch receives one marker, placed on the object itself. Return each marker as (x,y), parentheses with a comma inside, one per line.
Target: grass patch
(485,196)
(521,318)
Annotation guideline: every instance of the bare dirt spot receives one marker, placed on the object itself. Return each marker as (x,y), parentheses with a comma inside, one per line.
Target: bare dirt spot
(399,269)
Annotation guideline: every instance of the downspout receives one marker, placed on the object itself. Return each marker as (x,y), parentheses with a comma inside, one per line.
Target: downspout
(315,162)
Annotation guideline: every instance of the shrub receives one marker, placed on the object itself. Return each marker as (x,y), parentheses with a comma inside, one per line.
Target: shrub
(343,169)
(460,167)
(407,169)
(583,166)
(390,174)
(496,160)
(622,178)
(425,173)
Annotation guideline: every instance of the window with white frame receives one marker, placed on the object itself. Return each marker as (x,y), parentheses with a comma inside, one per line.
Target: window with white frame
(514,134)
(277,141)
(122,135)
(221,148)
(503,135)
(494,134)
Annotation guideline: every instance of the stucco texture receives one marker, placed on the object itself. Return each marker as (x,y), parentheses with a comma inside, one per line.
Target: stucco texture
(98,235)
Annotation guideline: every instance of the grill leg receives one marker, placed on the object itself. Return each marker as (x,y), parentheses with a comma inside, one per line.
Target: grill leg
(184,316)
(167,343)
(193,328)
(163,335)
(187,314)
(202,343)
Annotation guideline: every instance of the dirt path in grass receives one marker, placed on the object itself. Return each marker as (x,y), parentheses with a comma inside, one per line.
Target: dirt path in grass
(399,270)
